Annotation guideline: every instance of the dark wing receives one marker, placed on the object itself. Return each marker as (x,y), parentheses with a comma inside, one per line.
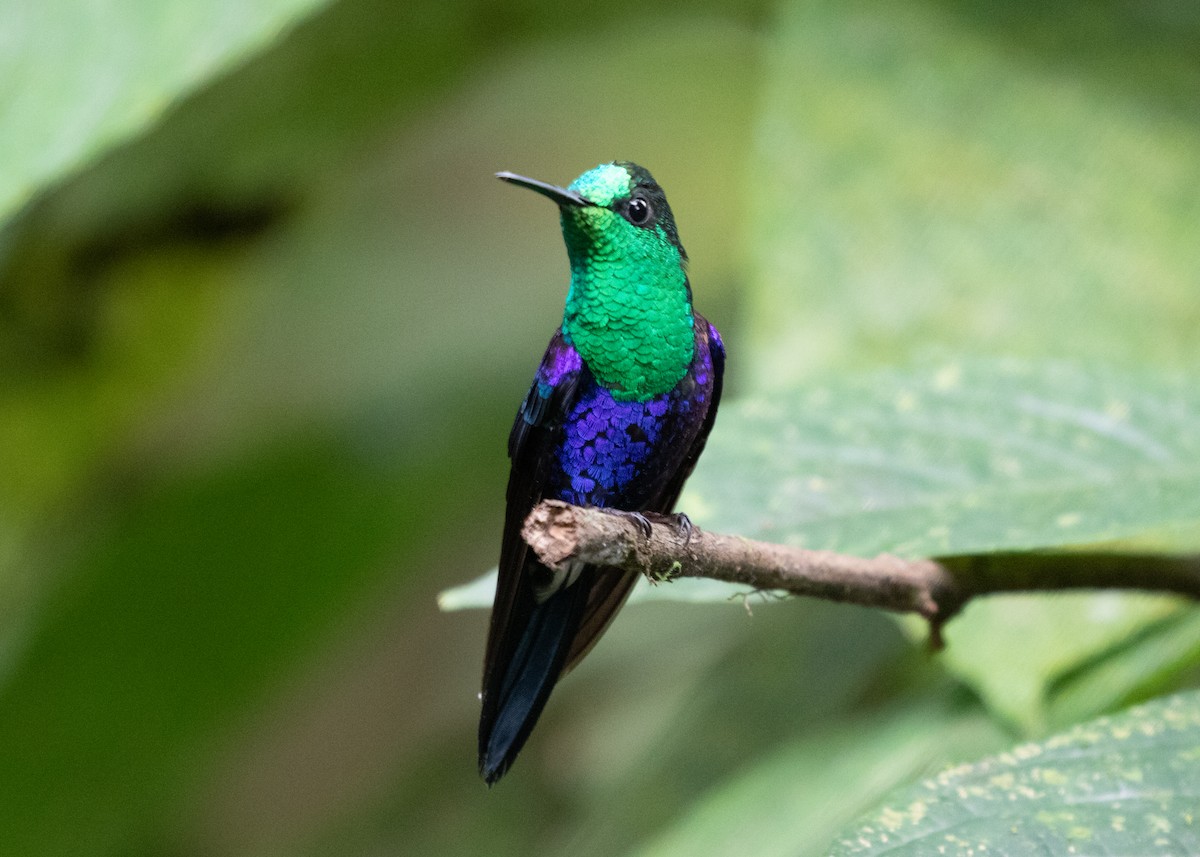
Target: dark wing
(612,586)
(528,638)
(606,595)
(532,441)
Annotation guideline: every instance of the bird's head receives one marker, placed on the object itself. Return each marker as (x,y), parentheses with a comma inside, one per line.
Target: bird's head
(614,212)
(629,310)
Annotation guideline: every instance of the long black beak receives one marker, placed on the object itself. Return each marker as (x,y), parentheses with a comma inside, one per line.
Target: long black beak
(559,194)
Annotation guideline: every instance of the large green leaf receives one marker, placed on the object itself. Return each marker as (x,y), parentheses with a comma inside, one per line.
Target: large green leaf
(79,77)
(972,457)
(987,178)
(1128,784)
(959,457)
(956,457)
(968,457)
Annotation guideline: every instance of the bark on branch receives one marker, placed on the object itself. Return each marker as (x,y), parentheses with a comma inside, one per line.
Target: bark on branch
(935,589)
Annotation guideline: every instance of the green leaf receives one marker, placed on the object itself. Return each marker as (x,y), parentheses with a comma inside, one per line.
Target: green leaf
(1127,784)
(961,457)
(1016,652)
(81,77)
(970,457)
(1163,653)
(983,178)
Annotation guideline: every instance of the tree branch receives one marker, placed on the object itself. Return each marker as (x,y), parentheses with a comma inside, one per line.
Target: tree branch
(657,546)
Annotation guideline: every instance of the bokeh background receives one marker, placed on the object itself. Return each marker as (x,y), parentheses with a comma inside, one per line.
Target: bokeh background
(265,318)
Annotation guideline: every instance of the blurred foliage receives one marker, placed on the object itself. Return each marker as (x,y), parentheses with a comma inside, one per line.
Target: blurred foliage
(776,809)
(1008,177)
(265,318)
(82,77)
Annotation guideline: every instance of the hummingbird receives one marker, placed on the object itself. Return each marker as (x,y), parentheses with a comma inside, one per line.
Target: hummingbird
(616,417)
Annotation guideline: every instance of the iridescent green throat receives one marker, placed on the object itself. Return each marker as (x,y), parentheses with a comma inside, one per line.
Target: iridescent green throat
(629,310)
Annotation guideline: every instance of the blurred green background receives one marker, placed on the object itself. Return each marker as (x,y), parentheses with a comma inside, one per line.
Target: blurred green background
(265,318)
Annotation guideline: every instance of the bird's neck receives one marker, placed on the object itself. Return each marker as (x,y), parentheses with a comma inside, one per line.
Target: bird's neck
(631,322)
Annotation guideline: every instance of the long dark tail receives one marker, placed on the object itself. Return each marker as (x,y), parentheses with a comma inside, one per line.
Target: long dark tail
(512,704)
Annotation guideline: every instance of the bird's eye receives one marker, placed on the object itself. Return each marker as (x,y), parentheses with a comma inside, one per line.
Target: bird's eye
(639,211)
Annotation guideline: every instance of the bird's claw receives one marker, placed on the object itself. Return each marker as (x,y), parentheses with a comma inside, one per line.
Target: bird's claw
(684,527)
(645,522)
(639,519)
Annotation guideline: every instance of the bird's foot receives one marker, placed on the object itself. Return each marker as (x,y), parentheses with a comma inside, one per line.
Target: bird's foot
(639,519)
(645,521)
(678,521)
(683,527)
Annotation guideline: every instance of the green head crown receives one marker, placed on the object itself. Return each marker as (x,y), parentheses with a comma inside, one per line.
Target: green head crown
(629,310)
